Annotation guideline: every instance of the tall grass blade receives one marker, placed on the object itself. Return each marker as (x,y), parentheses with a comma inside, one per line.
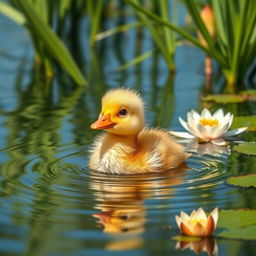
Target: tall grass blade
(12,13)
(64,5)
(136,60)
(167,32)
(41,7)
(118,29)
(219,21)
(148,23)
(51,41)
(97,8)
(180,31)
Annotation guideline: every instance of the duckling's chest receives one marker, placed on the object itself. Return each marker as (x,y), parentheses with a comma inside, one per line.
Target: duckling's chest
(113,160)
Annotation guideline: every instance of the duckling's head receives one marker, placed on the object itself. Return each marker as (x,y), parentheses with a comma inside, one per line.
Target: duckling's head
(122,113)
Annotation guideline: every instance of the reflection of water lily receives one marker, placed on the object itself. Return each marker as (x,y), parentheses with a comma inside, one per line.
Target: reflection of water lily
(207,148)
(206,244)
(197,224)
(207,127)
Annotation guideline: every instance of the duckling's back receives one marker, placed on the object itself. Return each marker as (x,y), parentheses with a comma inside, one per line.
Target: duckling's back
(161,151)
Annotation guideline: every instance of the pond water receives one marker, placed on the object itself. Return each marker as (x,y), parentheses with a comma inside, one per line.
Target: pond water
(52,204)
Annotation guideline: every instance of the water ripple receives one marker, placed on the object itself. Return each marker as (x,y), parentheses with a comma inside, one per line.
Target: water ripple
(59,187)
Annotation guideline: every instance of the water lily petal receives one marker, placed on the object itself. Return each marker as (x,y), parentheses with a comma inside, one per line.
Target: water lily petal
(215,130)
(219,142)
(202,131)
(220,132)
(195,115)
(178,220)
(190,118)
(194,214)
(192,125)
(184,216)
(210,226)
(235,131)
(215,216)
(219,114)
(199,230)
(206,113)
(201,213)
(209,130)
(185,230)
(185,135)
(189,127)
(228,118)
(184,124)
(194,130)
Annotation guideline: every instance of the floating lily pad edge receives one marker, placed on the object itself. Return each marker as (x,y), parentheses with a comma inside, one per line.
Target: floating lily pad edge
(247,148)
(244,181)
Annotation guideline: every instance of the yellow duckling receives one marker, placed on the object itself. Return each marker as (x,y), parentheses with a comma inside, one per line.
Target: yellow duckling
(128,147)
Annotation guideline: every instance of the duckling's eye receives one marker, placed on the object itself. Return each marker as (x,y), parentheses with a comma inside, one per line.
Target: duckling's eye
(123,217)
(124,230)
(123,112)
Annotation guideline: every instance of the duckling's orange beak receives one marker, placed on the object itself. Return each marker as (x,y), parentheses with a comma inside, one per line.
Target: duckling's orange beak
(103,123)
(104,217)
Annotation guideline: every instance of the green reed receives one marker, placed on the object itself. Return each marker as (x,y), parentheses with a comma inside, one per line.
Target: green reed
(236,36)
(234,47)
(164,39)
(39,17)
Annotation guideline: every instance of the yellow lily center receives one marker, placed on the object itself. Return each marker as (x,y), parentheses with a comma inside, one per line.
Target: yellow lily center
(208,121)
(197,220)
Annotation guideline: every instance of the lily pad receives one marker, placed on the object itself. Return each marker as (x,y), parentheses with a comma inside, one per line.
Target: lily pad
(242,121)
(248,148)
(225,98)
(238,224)
(251,94)
(248,180)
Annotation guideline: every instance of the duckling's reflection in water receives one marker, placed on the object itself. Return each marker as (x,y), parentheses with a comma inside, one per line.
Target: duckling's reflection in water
(120,200)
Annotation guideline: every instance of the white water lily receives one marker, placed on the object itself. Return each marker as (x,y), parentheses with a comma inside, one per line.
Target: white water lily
(207,127)
(197,223)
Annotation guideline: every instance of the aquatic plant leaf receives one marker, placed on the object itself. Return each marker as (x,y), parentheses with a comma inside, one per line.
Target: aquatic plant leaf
(12,13)
(119,29)
(250,95)
(136,60)
(248,148)
(178,30)
(51,41)
(248,92)
(237,224)
(244,121)
(64,5)
(95,11)
(155,35)
(225,98)
(248,180)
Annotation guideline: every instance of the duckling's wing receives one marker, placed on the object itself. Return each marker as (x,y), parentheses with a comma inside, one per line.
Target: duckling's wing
(162,150)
